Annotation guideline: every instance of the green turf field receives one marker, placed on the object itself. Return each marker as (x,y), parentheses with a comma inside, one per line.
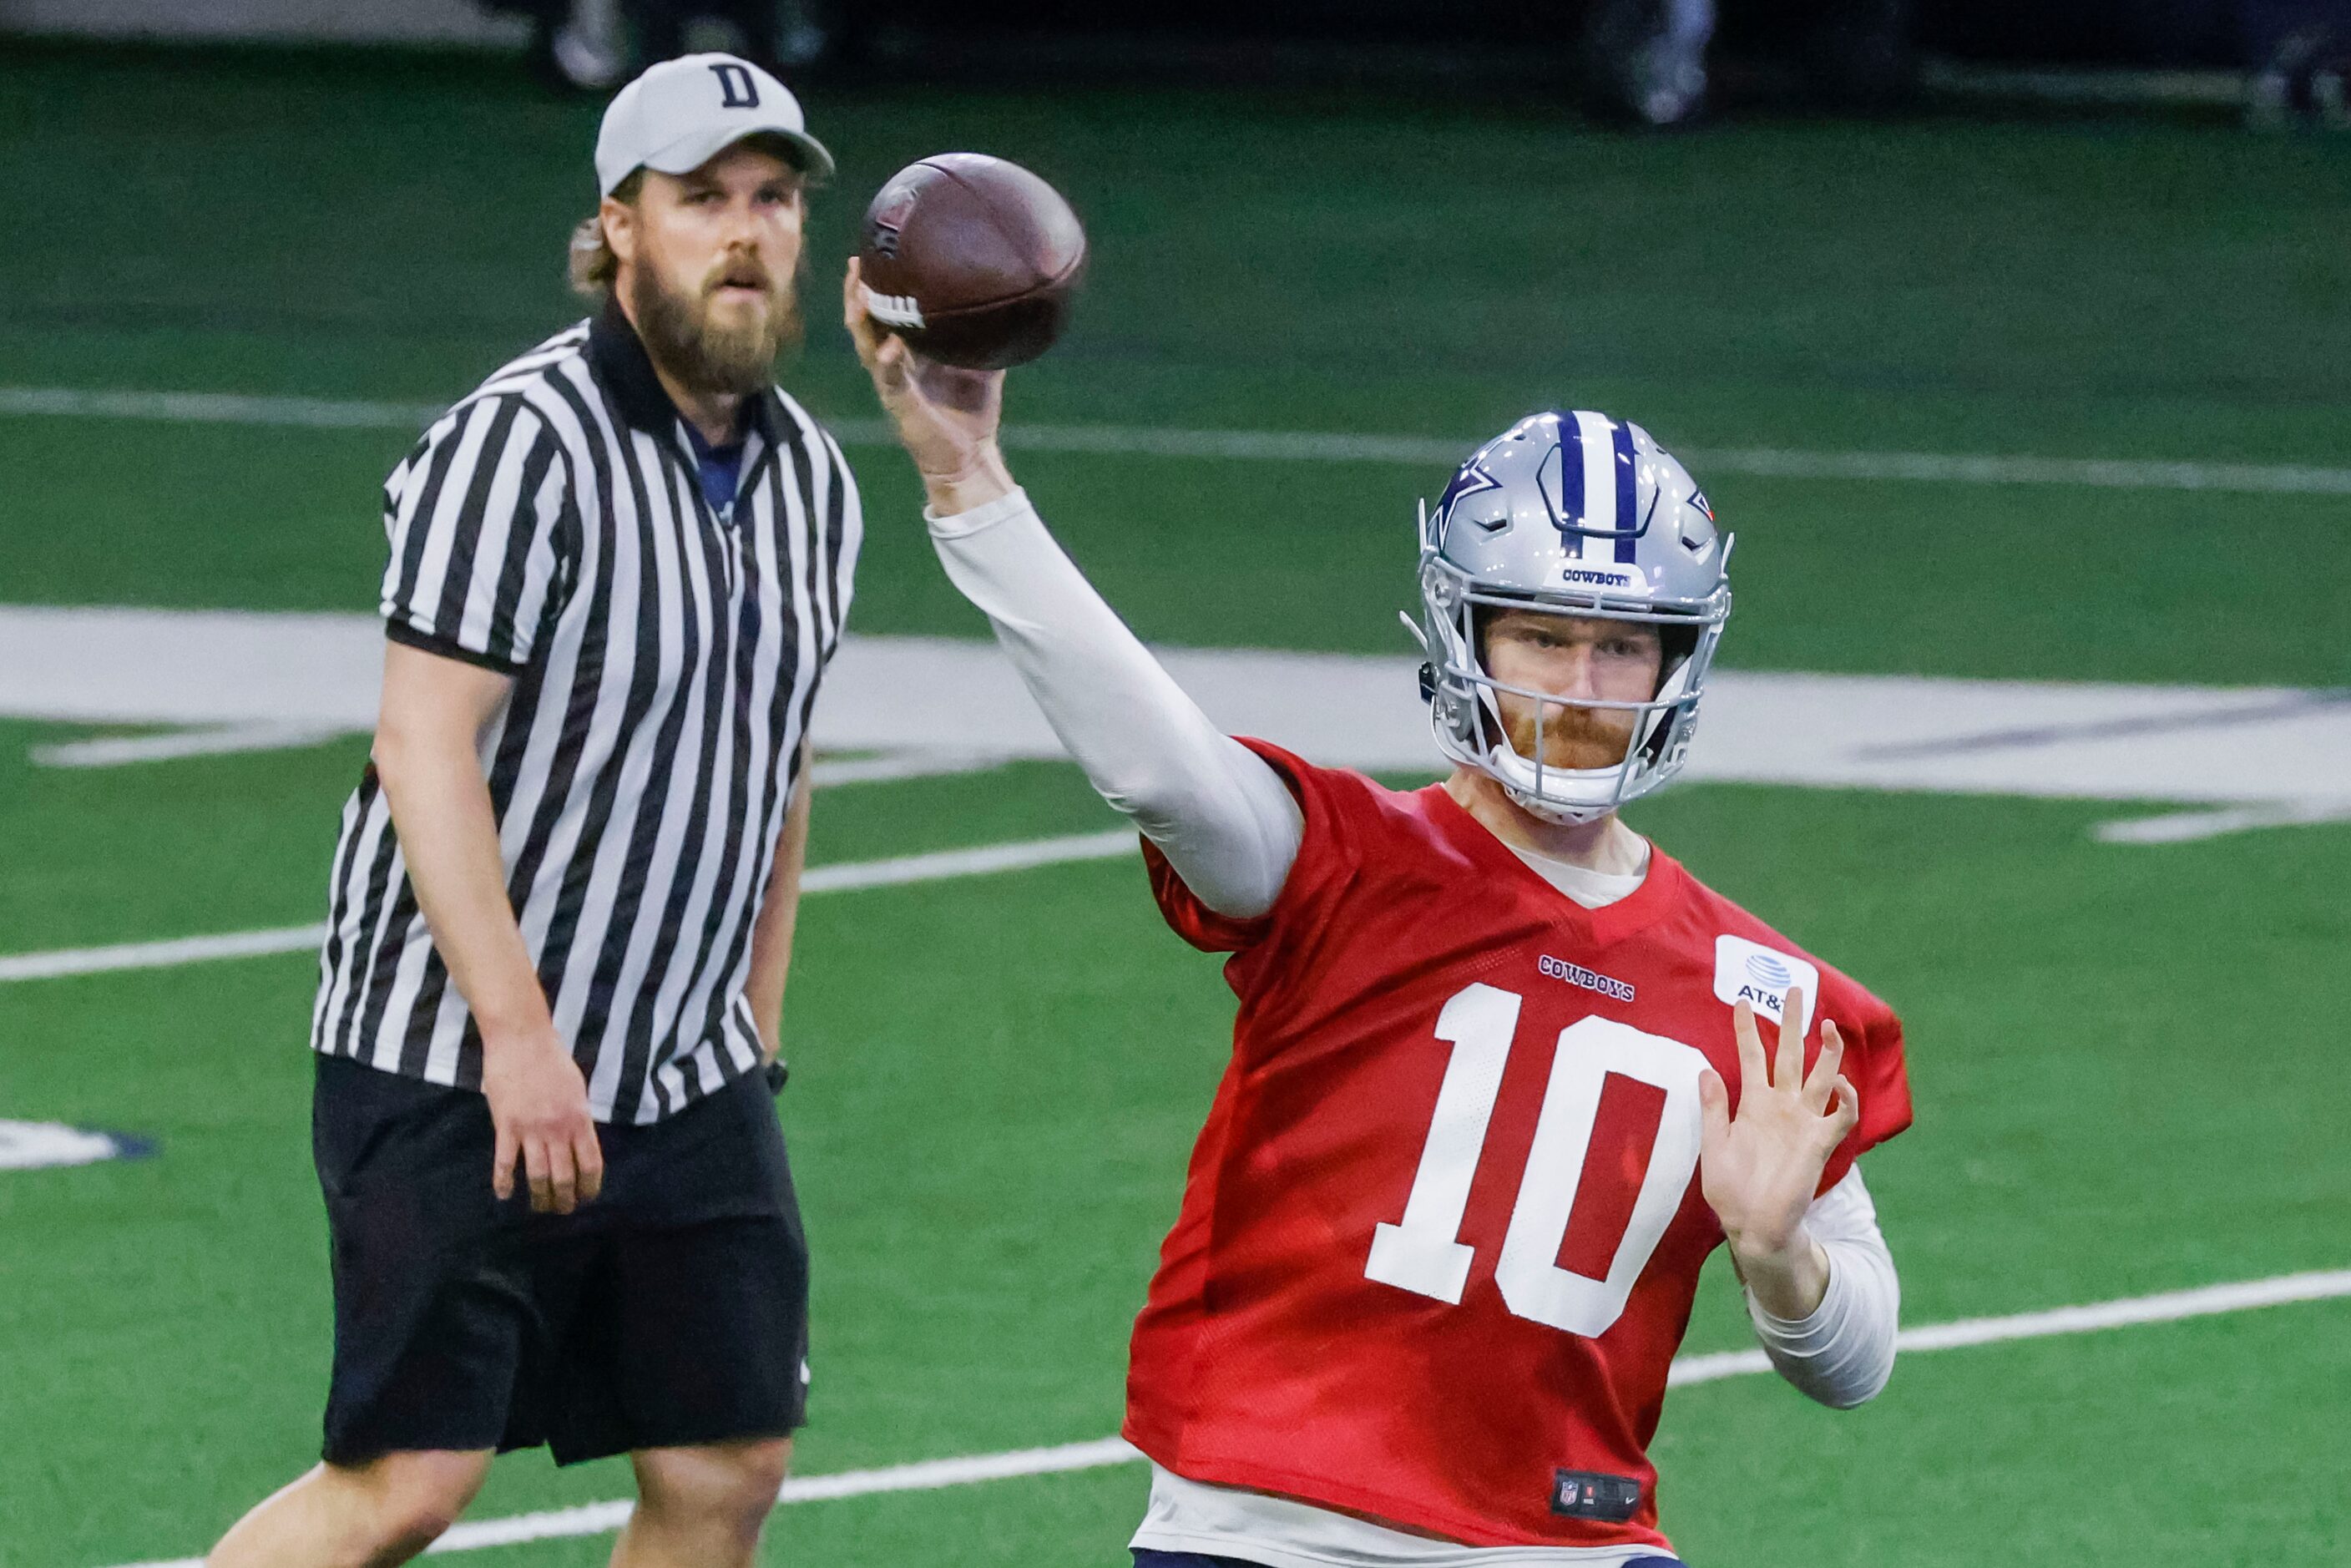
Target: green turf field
(2126,1060)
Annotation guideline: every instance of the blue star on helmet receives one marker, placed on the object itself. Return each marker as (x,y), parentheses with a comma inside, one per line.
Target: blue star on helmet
(1471,479)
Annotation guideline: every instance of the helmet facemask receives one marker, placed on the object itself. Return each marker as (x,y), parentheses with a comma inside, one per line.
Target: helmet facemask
(1466,706)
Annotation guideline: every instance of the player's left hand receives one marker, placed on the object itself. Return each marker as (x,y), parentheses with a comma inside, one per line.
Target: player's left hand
(1761,1168)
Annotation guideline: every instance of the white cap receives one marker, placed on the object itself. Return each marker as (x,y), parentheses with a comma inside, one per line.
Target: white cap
(684,112)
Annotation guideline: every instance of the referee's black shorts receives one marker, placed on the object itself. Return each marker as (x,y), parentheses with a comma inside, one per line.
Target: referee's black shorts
(672,1311)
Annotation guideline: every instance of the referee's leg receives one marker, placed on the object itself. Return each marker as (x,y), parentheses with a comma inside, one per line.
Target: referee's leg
(432,1304)
(369,1515)
(701,1357)
(701,1507)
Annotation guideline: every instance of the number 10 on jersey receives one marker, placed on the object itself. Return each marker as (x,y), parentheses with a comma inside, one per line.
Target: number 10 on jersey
(1423,1253)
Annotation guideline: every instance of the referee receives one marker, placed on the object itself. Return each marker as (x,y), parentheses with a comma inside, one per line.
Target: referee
(562,900)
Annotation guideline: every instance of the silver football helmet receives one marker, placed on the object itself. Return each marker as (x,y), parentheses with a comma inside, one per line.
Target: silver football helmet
(1574,515)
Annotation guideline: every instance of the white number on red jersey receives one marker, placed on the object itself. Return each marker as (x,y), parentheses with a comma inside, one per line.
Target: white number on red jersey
(1423,1252)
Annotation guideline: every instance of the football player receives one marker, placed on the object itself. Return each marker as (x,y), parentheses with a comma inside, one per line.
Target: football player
(1498,1084)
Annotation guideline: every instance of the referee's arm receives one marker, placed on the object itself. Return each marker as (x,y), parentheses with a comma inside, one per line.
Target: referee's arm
(425,740)
(477,519)
(771,938)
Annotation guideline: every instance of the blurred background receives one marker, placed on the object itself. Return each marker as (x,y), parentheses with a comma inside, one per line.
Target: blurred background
(1653,61)
(2009,339)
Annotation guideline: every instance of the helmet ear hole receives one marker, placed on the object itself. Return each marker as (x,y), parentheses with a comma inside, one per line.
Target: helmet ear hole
(1652,750)
(1677,644)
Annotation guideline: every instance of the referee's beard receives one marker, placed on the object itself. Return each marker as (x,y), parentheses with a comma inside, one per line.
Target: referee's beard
(726,358)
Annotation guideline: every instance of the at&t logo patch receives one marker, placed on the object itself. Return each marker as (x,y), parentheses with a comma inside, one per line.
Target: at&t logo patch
(1750,972)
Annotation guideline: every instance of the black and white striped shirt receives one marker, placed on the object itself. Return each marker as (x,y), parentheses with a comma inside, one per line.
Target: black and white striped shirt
(665,659)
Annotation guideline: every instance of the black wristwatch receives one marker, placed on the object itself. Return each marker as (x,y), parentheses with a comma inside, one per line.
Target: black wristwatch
(776,1075)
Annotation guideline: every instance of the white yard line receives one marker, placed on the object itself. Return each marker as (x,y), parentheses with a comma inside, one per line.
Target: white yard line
(213,740)
(2167,1306)
(229,739)
(896,766)
(219,408)
(63,961)
(932,1475)
(893,872)
(2094,473)
(945,864)
(1272,446)
(2186,827)
(927,1475)
(2099,84)
(46,1145)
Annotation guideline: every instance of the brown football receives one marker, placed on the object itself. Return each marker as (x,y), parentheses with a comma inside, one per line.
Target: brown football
(973,260)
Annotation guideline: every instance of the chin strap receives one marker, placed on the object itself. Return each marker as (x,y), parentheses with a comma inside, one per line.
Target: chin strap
(1551,812)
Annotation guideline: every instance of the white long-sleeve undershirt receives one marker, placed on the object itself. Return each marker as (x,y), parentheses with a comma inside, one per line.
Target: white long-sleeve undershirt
(1232,830)
(1842,1354)
(1224,820)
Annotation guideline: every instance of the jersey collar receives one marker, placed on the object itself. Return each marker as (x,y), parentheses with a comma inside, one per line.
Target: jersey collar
(1602,927)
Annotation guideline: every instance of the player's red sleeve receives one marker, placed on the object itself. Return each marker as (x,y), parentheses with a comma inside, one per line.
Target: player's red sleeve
(1327,856)
(1874,1064)
(1192,920)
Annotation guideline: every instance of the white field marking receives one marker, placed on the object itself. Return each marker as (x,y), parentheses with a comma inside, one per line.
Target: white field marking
(221,740)
(892,766)
(2275,748)
(946,863)
(62,961)
(927,1475)
(44,1145)
(2103,85)
(2186,827)
(218,740)
(554,1523)
(938,866)
(2168,1306)
(2090,473)
(1274,445)
(220,408)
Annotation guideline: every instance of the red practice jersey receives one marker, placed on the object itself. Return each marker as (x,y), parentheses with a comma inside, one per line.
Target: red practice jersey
(1442,1231)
